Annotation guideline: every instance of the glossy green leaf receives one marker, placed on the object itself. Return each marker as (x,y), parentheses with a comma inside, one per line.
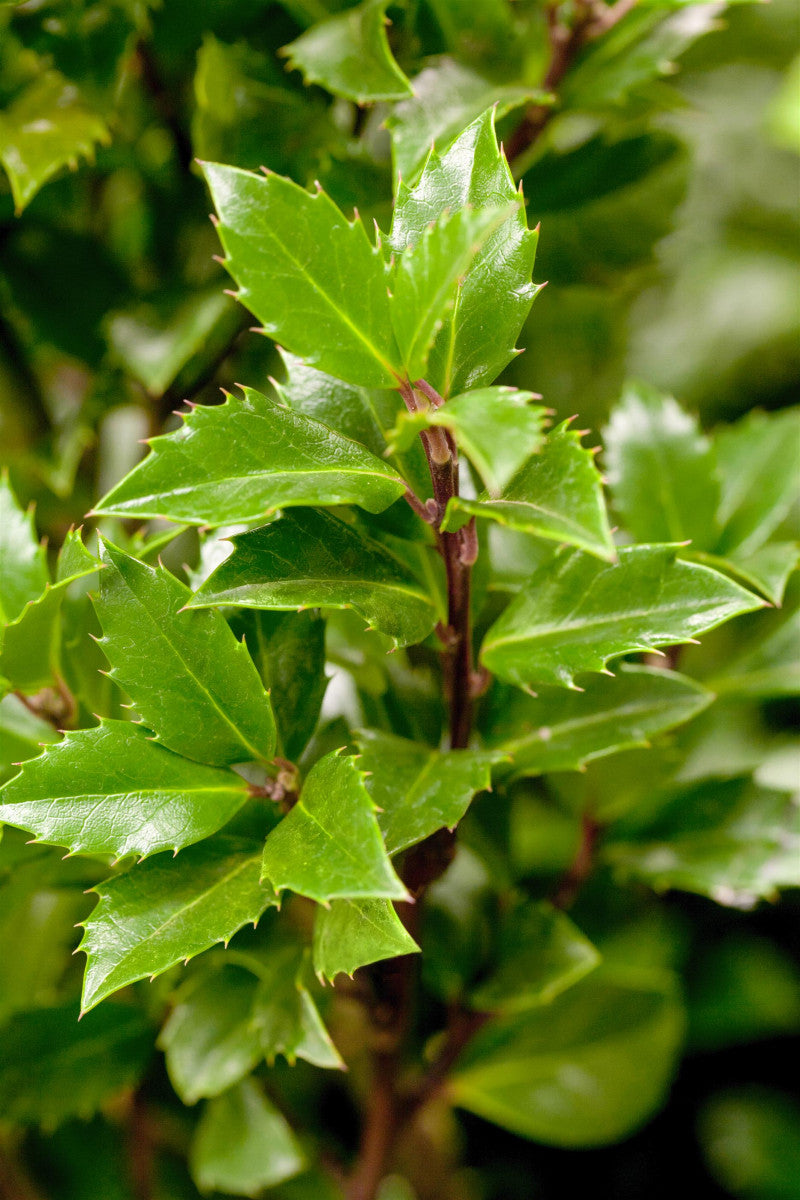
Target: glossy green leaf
(168,910)
(585,1070)
(758,465)
(310,276)
(540,954)
(209,1040)
(425,283)
(189,679)
(314,559)
(111,790)
(495,292)
(578,613)
(54,1066)
(661,470)
(418,790)
(242,461)
(329,846)
(563,730)
(354,933)
(243,1144)
(285,1016)
(47,127)
(557,494)
(767,570)
(497,428)
(23,566)
(349,55)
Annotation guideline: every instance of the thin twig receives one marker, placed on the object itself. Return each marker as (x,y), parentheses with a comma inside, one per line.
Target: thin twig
(582,864)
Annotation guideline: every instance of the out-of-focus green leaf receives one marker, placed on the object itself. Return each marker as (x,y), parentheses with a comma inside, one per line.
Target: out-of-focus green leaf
(354,933)
(758,465)
(23,566)
(767,570)
(769,666)
(743,988)
(22,734)
(349,55)
(751,1140)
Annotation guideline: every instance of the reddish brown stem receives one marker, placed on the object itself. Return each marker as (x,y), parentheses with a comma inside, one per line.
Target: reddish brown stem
(582,864)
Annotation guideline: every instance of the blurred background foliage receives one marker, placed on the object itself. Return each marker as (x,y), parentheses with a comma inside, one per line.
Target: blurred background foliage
(668,204)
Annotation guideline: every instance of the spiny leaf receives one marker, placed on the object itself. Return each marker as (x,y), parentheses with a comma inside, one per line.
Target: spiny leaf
(285,1017)
(23,566)
(354,933)
(767,570)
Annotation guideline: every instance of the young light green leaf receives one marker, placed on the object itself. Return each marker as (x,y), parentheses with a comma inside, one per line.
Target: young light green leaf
(312,559)
(22,734)
(189,678)
(349,55)
(111,790)
(540,954)
(563,730)
(495,293)
(426,278)
(23,565)
(243,1144)
(577,613)
(497,428)
(285,1017)
(758,464)
(557,494)
(418,790)
(47,127)
(243,460)
(329,846)
(661,469)
(209,1040)
(583,1071)
(167,911)
(768,667)
(54,1066)
(354,933)
(310,276)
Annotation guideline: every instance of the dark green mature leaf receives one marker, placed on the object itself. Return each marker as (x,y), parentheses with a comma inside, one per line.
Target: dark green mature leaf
(758,464)
(585,1070)
(661,469)
(426,280)
(418,790)
(557,494)
(54,1066)
(111,790)
(354,933)
(23,566)
(497,428)
(563,730)
(349,55)
(167,911)
(310,276)
(329,846)
(540,954)
(577,614)
(495,293)
(47,127)
(189,678)
(243,1144)
(285,1016)
(314,559)
(243,460)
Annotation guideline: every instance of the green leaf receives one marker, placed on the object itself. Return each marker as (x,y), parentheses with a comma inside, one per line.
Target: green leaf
(111,790)
(189,678)
(576,614)
(540,954)
(770,666)
(751,1140)
(22,734)
(354,933)
(557,494)
(661,470)
(54,1066)
(311,559)
(23,565)
(209,1040)
(286,1018)
(243,1144)
(310,276)
(167,911)
(329,846)
(767,570)
(495,292)
(497,428)
(46,128)
(349,55)
(563,730)
(243,460)
(586,1070)
(418,790)
(425,283)
(758,463)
